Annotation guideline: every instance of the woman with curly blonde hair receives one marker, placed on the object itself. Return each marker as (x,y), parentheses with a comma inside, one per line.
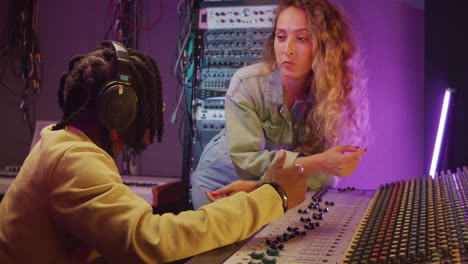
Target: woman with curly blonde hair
(307,97)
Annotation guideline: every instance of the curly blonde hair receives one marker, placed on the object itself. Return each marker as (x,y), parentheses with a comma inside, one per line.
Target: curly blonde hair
(338,86)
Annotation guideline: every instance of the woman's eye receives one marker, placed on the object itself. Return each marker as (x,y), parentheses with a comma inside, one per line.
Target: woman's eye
(280,37)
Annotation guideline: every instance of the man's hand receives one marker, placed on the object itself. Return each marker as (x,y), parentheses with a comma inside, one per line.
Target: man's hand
(292,180)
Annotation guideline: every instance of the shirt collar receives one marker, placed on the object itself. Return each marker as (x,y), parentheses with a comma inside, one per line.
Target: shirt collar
(275,94)
(274,91)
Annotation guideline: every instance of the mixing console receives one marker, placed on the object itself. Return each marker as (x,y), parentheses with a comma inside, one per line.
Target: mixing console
(316,231)
(422,220)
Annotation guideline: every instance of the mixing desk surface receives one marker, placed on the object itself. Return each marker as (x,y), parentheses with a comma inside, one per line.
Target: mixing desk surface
(421,220)
(317,231)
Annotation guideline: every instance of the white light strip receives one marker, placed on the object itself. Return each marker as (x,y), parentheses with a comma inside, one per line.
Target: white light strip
(440,132)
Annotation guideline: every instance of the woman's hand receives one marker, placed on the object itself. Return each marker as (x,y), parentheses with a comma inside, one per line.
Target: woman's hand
(340,160)
(232,188)
(335,161)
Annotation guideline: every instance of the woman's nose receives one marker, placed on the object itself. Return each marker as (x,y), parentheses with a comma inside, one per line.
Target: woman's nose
(290,47)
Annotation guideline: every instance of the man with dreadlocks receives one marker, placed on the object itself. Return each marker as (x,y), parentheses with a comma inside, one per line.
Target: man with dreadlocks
(68,203)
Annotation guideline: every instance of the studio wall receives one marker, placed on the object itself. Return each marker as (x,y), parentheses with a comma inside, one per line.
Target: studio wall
(71,27)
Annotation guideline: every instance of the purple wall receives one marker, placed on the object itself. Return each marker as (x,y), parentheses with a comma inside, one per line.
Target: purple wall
(391,36)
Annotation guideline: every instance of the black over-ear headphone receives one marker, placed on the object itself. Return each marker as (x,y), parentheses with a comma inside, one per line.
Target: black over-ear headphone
(117,103)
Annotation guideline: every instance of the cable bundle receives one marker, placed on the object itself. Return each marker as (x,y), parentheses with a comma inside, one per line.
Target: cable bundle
(20,46)
(126,18)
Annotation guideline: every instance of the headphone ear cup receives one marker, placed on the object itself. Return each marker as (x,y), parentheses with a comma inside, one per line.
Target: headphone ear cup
(117,106)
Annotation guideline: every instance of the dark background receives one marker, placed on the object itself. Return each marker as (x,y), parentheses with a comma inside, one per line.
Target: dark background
(447,66)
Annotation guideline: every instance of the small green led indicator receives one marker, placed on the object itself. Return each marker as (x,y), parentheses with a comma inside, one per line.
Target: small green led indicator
(124,78)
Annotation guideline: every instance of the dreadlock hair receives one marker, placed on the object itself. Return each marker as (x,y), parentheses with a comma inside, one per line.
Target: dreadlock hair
(79,88)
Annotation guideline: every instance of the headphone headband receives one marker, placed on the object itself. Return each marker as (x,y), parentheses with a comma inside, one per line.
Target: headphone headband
(117,102)
(123,61)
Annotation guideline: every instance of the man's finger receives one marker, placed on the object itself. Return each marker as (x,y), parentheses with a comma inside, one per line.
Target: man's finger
(279,162)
